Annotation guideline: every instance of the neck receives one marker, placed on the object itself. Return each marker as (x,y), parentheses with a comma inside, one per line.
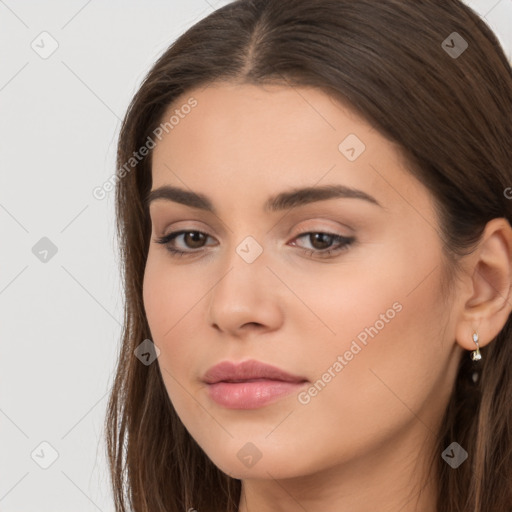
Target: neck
(396,478)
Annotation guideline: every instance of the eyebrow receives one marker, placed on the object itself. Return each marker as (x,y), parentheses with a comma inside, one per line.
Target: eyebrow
(282,201)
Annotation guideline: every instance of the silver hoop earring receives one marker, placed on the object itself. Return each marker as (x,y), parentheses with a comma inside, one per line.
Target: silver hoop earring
(475,354)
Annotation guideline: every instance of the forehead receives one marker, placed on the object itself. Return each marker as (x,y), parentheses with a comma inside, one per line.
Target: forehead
(248,119)
(247,138)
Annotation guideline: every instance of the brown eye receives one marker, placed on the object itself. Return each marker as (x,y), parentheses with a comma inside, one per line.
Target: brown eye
(325,244)
(321,240)
(190,242)
(194,239)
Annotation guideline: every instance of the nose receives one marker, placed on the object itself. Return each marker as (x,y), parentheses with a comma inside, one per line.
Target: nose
(246,298)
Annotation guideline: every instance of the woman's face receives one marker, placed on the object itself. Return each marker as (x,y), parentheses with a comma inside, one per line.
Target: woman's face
(340,288)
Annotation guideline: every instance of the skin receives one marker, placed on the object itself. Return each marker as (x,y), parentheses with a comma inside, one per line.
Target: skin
(363,442)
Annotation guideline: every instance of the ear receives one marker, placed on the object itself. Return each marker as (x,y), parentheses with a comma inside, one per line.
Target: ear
(486,299)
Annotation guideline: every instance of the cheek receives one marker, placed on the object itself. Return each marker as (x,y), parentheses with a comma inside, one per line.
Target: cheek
(167,302)
(393,373)
(358,405)
(170,296)
(174,301)
(387,356)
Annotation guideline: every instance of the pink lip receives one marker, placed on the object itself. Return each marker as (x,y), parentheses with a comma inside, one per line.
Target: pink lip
(250,384)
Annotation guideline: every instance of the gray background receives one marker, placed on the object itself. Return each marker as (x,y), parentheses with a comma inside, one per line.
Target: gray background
(60,318)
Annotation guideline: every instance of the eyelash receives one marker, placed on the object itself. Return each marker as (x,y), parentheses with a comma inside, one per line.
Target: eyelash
(344,243)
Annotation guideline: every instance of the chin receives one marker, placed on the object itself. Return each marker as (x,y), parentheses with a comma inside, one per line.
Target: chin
(268,466)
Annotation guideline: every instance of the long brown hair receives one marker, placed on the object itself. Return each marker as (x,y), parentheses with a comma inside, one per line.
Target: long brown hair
(450,115)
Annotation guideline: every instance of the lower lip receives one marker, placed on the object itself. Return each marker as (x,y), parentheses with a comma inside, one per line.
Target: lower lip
(251,395)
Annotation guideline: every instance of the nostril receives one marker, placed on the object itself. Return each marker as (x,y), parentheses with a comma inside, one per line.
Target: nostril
(255,324)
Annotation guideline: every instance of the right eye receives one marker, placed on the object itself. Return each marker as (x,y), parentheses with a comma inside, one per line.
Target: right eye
(192,239)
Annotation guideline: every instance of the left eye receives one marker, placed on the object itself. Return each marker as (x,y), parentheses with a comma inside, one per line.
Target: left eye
(320,241)
(325,241)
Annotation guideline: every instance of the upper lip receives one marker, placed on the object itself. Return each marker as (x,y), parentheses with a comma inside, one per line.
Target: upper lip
(228,371)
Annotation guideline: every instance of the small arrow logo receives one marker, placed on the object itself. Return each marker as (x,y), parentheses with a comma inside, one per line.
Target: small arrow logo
(454,45)
(450,455)
(351,147)
(44,44)
(454,455)
(44,455)
(44,250)
(249,454)
(147,352)
(249,249)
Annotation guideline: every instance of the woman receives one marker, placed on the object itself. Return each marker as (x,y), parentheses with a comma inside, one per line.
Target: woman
(315,234)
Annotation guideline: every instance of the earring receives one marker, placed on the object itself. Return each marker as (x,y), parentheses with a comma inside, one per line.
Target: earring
(475,354)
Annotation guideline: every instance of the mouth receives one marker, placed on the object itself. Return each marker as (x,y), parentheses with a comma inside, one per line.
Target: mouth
(250,384)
